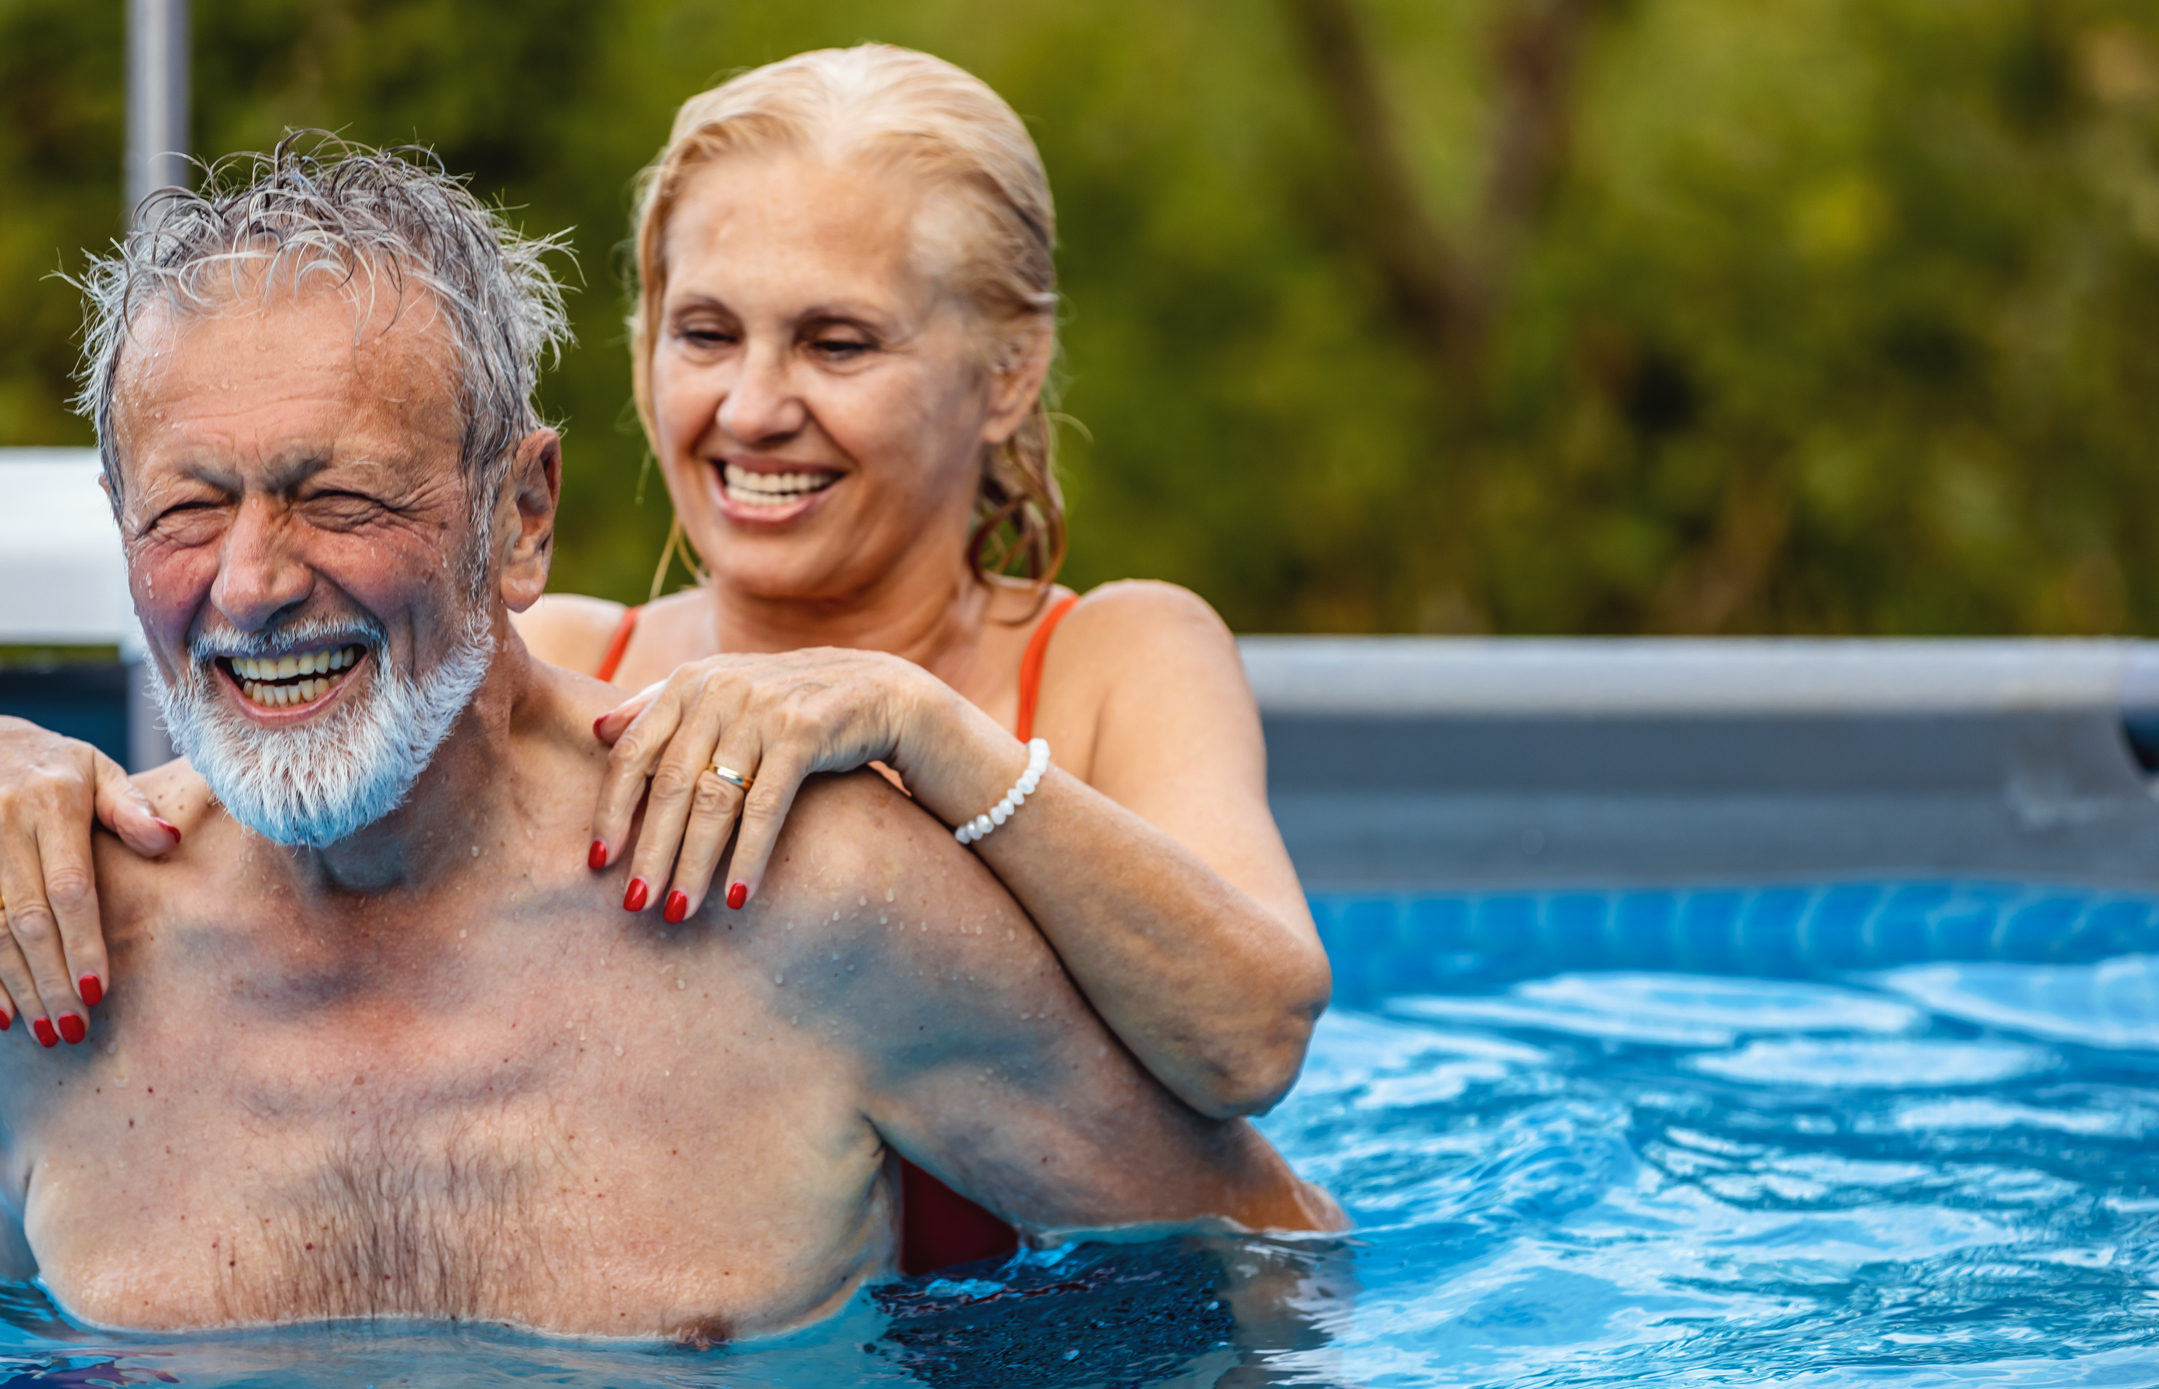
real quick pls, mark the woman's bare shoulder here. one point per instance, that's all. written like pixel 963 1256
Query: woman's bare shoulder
pixel 569 629
pixel 1131 614
pixel 1141 646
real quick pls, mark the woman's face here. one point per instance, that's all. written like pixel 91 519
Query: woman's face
pixel 819 399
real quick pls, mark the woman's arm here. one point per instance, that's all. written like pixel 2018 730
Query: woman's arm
pixel 1163 886
pixel 1157 872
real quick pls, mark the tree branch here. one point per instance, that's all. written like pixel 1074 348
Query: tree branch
pixel 1430 288
pixel 1443 296
pixel 1536 47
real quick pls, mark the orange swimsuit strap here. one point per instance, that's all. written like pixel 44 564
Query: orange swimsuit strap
pixel 1038 647
pixel 617 644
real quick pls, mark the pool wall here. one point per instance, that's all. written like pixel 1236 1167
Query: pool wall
pixel 1413 763
pixel 1421 763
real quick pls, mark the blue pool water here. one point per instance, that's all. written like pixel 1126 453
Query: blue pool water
pixel 1887 1134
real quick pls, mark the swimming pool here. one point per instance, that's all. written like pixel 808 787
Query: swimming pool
pixel 1898 1132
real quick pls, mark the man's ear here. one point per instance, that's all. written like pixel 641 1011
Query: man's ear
pixel 525 518
pixel 1016 385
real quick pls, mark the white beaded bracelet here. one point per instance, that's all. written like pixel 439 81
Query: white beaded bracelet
pixel 1038 762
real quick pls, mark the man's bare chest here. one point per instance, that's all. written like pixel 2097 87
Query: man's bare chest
pixel 551 1161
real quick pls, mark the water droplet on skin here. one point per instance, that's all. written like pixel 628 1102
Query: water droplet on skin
pixel 618 1051
pixel 860 902
pixel 682 983
pixel 888 894
pixel 779 978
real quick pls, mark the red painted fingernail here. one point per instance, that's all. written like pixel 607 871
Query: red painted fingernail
pixel 678 906
pixel 596 727
pixel 46 1037
pixel 737 894
pixel 635 897
pixel 92 992
pixel 168 826
pixel 6 1022
pixel 597 859
pixel 71 1028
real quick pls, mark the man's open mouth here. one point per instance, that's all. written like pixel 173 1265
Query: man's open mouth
pixel 748 488
pixel 297 677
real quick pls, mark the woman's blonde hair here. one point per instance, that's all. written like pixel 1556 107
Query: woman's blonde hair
pixel 944 124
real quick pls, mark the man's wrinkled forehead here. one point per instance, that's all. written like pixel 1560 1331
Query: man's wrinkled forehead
pixel 268 374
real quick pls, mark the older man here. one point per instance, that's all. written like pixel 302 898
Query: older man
pixel 379 1052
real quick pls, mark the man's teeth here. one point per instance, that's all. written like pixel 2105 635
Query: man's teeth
pixel 285 667
pixel 772 489
pixel 295 671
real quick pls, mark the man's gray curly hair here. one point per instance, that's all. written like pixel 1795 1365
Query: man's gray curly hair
pixel 363 217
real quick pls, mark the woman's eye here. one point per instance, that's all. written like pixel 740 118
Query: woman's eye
pixel 705 337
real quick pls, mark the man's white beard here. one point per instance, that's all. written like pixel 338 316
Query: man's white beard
pixel 330 778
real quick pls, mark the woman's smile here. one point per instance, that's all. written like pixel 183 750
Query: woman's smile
pixel 768 493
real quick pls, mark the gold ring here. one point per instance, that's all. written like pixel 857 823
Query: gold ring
pixel 730 776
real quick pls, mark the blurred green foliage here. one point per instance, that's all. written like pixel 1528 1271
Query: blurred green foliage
pixel 1817 316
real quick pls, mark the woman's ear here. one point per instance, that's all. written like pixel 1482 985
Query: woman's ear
pixel 1016 380
pixel 525 518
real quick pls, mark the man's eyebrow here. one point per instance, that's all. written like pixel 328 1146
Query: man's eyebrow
pixel 284 473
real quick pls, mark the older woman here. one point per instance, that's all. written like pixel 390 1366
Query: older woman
pixel 844 325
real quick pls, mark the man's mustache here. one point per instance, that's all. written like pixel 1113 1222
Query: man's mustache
pixel 287 638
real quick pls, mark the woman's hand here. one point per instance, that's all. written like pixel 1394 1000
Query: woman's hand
pixel 772 719
pixel 52 954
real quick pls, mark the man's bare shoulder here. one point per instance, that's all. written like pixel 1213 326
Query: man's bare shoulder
pixel 894 934
pixel 128 884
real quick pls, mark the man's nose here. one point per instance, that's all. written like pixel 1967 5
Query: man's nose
pixel 762 406
pixel 258 576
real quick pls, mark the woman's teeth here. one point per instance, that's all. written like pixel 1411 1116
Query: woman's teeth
pixel 296 678
pixel 772 489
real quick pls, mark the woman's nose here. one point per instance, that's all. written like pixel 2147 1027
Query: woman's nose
pixel 257 576
pixel 761 406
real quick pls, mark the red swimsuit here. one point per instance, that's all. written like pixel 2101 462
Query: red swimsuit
pixel 938 1226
